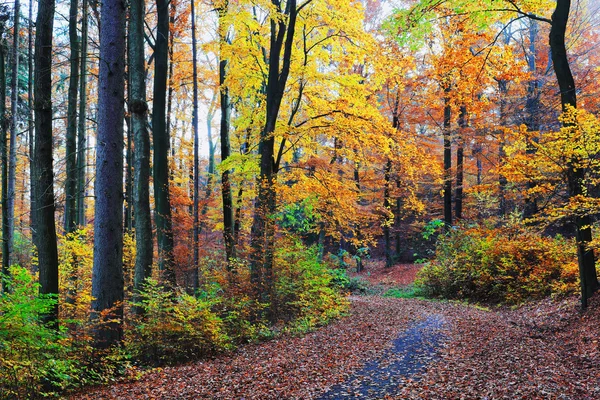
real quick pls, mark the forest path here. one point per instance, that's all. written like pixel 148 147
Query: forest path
pixel 300 367
pixel 544 350
pixel 410 353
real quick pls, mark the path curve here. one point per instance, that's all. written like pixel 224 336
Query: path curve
pixel 409 355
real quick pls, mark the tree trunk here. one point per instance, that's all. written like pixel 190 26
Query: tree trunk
pixel 71 137
pixel 30 127
pixel 162 198
pixel 447 159
pixel 4 156
pixel 141 137
pixel 387 206
pixel 532 111
pixel 458 202
pixel 107 274
pixel 397 221
pixel 575 174
pixel 228 220
pixel 502 181
pixel 170 88
pixel 12 151
pixel 195 211
pixel 356 248
pixel 43 178
pixel 81 131
pixel 237 220
pixel 262 232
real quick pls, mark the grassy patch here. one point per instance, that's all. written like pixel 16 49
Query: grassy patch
pixel 407 292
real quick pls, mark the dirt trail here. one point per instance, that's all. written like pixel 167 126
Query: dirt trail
pixel 411 352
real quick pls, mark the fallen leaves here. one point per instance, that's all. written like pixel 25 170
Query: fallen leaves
pixel 545 350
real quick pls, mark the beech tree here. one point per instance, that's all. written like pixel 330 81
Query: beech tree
pixel 576 173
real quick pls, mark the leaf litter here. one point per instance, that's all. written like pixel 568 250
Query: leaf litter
pixel 390 348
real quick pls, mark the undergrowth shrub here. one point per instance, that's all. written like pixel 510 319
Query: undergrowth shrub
pixel 175 326
pixel 305 290
pixel 75 260
pixel 344 283
pixel 502 265
pixel 34 358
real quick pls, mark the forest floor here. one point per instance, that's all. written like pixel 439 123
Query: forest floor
pixel 402 348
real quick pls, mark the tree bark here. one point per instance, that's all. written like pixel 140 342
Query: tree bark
pixel 196 210
pixel 81 131
pixel 228 219
pixel 162 198
pixel 12 151
pixel 43 178
pixel 532 111
pixel 107 274
pixel 502 181
pixel 458 201
pixel 139 111
pixel 262 232
pixel 447 159
pixel 30 124
pixel 4 156
pixel 71 137
pixel 575 174
pixel 387 208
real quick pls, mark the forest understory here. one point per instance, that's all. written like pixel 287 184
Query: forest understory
pixel 546 349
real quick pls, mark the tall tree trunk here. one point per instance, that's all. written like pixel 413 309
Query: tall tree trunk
pixel 107 274
pixel 576 174
pixel 139 111
pixel 397 221
pixel 262 232
pixel 128 212
pixel 387 206
pixel 71 137
pixel 12 151
pixel 458 201
pixel 237 220
pixel 170 88
pixel 356 246
pixel 162 198
pixel 228 220
pixel 195 211
pixel 447 159
pixel 43 178
pixel 502 181
pixel 532 111
pixel 30 127
pixel 81 131
pixel 4 156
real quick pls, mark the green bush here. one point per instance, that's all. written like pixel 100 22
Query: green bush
pixel 306 291
pixel 504 265
pixel 175 326
pixel 34 358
